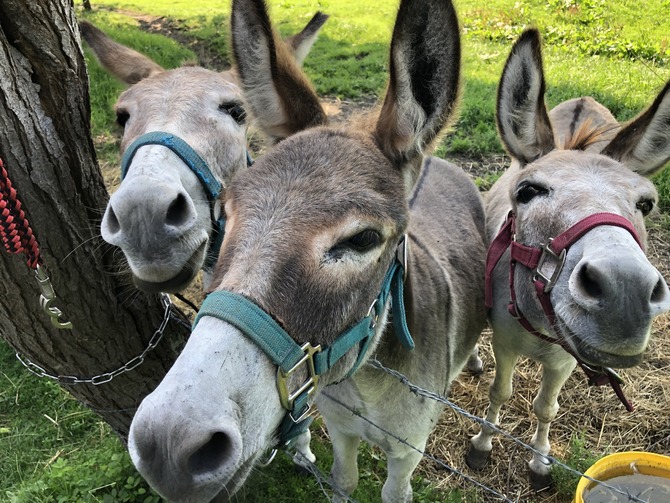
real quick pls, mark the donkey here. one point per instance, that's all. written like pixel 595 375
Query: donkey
pixel 571 207
pixel 314 258
pixel 184 139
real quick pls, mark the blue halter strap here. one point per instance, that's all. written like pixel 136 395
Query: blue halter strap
pixel 199 167
pixel 277 344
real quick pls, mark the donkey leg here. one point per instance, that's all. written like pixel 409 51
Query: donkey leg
pixel 545 406
pixel 345 462
pixel 500 391
pixel 398 485
pixel 304 455
pixel 474 364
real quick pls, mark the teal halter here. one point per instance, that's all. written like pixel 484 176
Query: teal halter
pixel 199 167
pixel 278 345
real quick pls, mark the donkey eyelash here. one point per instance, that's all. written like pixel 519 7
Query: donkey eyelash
pixel 360 243
pixel 646 206
pixel 235 110
pixel 122 117
pixel 528 191
pixel 364 240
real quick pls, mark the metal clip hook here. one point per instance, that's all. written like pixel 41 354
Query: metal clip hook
pixel 402 253
pixel 47 297
pixel 269 460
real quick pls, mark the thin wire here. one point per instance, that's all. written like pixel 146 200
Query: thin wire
pixel 321 478
pixel 423 453
pixel 186 301
pixel 483 422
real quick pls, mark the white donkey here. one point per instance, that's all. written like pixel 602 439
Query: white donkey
pixel 309 273
pixel 571 208
pixel 184 139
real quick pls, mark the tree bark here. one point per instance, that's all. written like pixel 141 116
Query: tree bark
pixel 46 146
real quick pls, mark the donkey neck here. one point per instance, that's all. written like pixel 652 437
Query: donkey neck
pixel 436 247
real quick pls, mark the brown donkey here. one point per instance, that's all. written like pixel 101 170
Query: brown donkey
pixel 571 208
pixel 309 273
pixel 184 139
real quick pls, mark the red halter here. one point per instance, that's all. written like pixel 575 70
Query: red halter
pixel 534 259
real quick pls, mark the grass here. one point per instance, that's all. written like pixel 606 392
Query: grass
pixel 54 450
pixel 615 52
pixel 580 459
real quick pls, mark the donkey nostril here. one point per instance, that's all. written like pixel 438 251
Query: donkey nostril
pixel 211 456
pixel 113 225
pixel 658 295
pixel 178 211
pixel 589 282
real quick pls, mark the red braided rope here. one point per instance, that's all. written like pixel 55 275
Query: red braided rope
pixel 15 231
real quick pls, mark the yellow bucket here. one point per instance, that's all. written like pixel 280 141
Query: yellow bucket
pixel 622 463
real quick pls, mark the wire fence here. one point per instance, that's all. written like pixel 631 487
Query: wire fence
pixel 326 484
pixel 324 481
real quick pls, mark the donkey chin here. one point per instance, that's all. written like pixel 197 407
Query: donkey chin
pixel 169 277
pixel 200 489
pixel 597 345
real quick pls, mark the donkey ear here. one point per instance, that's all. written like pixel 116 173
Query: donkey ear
pixel 278 93
pixel 644 143
pixel 125 64
pixel 424 79
pixel 523 122
pixel 302 42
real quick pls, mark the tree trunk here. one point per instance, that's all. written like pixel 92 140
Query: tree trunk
pixel 87 5
pixel 46 146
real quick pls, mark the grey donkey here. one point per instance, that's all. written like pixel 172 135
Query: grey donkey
pixel 313 229
pixel 578 192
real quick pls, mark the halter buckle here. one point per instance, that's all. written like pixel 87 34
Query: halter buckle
pixel 549 281
pixel 601 375
pixel 309 411
pixel 287 397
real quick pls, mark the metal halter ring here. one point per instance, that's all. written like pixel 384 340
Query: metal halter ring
pixel 373 324
pixel 549 281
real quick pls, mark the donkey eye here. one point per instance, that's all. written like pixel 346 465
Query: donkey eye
pixel 527 191
pixel 235 110
pixel 364 240
pixel 359 243
pixel 645 206
pixel 122 117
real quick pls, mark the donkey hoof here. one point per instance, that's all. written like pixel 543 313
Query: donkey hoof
pixel 477 459
pixel 476 371
pixel 540 481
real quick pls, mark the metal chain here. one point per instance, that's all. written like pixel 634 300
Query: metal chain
pixel 483 422
pixel 107 376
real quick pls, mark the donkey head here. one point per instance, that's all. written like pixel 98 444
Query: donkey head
pixel 311 231
pixel 165 215
pixel 607 293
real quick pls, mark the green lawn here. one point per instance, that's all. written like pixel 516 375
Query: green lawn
pixel 613 51
pixel 619 52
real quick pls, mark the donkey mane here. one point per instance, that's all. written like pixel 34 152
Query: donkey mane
pixel 586 135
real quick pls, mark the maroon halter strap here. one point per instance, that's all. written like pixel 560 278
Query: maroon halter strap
pixel 534 259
